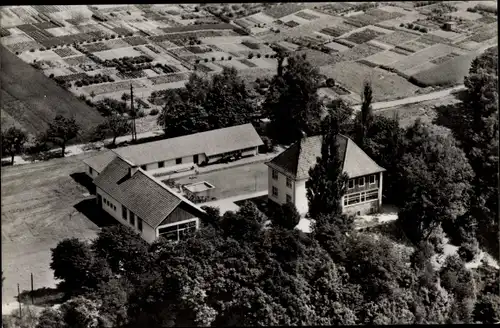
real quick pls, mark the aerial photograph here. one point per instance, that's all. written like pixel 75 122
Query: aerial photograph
pixel 249 164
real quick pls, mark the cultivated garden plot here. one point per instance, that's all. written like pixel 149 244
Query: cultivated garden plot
pixel 384 58
pixel 397 38
pixel 358 52
pixel 423 56
pixel 337 47
pixel 118 53
pixel 112 87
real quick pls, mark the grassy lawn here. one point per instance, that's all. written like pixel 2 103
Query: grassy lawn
pixel 32 100
pixel 233 181
pixel 42 203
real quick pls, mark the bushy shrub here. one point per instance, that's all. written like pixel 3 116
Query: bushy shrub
pixel 410 25
pixel 213 58
pixel 230 57
pixel 258 55
pixel 402 25
pixel 268 146
pixel 250 55
pixel 141 114
pixel 423 30
pixel 416 27
pixel 51 75
pixel 153 112
pixel 468 251
pixel 32 50
pixel 437 240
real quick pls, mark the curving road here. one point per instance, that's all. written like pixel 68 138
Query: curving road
pixel 414 99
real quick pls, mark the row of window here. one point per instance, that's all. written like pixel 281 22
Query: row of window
pixel 276 177
pixel 131 218
pixel 109 204
pixel 178 231
pixel 275 194
pixel 361 181
pixel 177 161
pixel 360 197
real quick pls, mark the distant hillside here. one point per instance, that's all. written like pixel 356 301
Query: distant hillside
pixel 30 100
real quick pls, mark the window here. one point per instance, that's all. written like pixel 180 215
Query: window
pixel 361 181
pixel 351 184
pixel 161 164
pixel 143 167
pixel 360 197
pixel 124 213
pixel 289 182
pixel 178 161
pixel 169 233
pixel 371 195
pixel 178 231
pixel 288 198
pixel 90 170
pixel 372 179
pixel 275 191
pixel 139 224
pixel 352 199
pixel 132 219
pixel 275 175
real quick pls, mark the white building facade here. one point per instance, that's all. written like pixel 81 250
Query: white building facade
pixel 289 171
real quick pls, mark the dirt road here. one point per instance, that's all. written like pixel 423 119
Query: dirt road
pixel 414 99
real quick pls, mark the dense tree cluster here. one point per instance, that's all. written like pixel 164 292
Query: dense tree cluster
pixel 236 270
pixel 292 101
pixel 206 104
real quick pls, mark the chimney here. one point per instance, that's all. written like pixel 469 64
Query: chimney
pixel 132 170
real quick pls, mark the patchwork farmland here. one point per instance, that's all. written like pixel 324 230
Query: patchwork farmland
pixel 98 52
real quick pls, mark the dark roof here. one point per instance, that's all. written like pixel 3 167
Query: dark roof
pixel 301 156
pixel 145 196
pixel 100 161
pixel 211 142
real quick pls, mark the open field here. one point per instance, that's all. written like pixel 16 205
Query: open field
pixel 33 100
pixel 35 219
pixel 352 75
pixel 450 72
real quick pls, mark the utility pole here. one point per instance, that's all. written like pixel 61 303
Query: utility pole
pixel 19 301
pixel 132 111
pixel 32 296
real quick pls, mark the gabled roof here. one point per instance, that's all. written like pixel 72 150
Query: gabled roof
pixel 301 156
pixel 141 193
pixel 99 162
pixel 210 143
